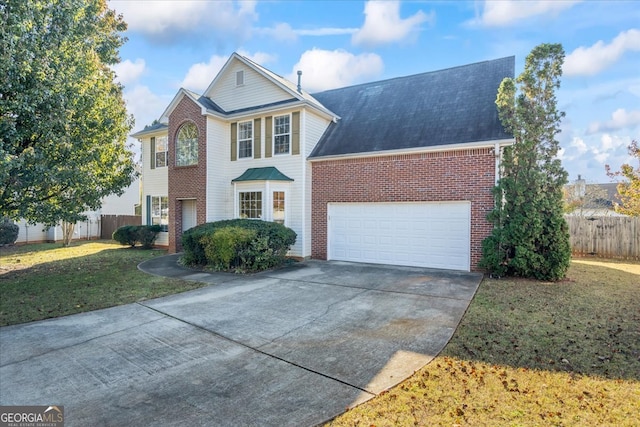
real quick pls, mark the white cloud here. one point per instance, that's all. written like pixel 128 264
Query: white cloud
pixel 383 24
pixel 280 32
pixel 128 72
pixel 200 75
pixel 325 69
pixel 579 145
pixel 620 119
pixel 285 33
pixel 165 20
pixel 591 60
pixel 326 31
pixel 508 12
pixel 145 105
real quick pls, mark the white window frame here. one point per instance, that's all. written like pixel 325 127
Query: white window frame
pixel 159 214
pixel 248 140
pixel 157 141
pixel 275 135
pixel 272 202
pixel 190 156
pixel 267 189
pixel 247 191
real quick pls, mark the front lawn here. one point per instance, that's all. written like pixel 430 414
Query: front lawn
pixel 529 354
pixel 38 281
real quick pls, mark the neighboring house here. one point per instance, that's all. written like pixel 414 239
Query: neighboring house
pixel 84 230
pixel 592 200
pixel 398 171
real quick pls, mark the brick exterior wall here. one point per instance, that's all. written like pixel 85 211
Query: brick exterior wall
pixel 439 176
pixel 186 182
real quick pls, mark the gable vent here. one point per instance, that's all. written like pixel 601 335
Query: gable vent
pixel 239 78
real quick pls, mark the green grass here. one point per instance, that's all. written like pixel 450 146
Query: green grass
pixel 530 353
pixel 40 281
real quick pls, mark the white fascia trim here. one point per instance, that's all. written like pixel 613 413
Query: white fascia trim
pixel 144 133
pixel 275 110
pixel 418 150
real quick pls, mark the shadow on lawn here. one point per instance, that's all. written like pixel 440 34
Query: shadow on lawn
pixel 77 283
pixel 588 324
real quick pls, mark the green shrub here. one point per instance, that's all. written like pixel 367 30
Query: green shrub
pixel 8 232
pixel 131 234
pixel 147 235
pixel 126 235
pixel 267 249
pixel 224 246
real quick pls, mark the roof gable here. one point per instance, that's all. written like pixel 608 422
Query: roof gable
pixel 451 106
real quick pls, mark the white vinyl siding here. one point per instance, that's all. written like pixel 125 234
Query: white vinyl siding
pixel 154 182
pixel 256 90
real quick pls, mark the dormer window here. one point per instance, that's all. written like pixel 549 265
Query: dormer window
pixel 240 78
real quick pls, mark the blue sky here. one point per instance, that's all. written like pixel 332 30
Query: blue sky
pixel 175 44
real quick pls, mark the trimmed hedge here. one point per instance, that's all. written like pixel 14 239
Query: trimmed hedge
pixel 8 232
pixel 238 244
pixel 131 234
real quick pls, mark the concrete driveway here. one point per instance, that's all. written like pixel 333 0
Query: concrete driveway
pixel 296 346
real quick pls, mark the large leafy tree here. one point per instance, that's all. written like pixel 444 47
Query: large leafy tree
pixel 629 189
pixel 63 120
pixel 530 236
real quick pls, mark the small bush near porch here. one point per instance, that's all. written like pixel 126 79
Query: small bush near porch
pixel 240 245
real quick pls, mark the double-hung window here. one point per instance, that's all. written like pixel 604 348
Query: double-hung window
pixel 187 145
pixel 251 204
pixel 245 139
pixel 160 211
pixel 281 134
pixel 160 150
pixel 278 207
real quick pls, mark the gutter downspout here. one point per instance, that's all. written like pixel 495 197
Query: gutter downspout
pixel 498 154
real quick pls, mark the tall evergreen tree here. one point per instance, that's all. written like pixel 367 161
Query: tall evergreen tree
pixel 63 120
pixel 530 236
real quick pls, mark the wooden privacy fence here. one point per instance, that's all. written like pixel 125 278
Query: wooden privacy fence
pixel 111 223
pixel 605 236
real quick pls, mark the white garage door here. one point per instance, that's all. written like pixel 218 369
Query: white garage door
pixel 426 234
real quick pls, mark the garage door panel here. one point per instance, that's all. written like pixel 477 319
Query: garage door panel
pixel 416 234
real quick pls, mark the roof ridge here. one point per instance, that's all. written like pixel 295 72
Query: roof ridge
pixel 390 79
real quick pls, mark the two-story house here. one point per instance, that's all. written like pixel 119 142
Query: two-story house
pixel 398 171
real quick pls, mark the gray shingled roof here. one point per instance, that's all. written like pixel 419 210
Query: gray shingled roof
pixel 149 129
pixel 451 106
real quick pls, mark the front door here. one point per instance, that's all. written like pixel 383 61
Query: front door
pixel 188 214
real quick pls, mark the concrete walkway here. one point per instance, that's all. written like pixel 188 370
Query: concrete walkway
pixel 291 347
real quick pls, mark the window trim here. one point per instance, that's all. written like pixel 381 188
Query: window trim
pixel 267 189
pixel 284 192
pixel 248 140
pixel 150 211
pixel 239 201
pixel 155 141
pixel 275 135
pixel 193 142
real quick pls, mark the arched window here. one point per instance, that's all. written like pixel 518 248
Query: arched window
pixel 187 145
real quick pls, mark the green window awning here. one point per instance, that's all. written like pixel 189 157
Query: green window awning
pixel 262 174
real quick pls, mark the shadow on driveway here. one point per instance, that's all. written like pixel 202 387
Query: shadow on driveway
pixel 295 346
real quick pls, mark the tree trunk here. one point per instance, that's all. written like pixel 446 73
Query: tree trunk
pixel 67 233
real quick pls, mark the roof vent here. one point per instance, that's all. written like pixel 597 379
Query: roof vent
pixel 299 79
